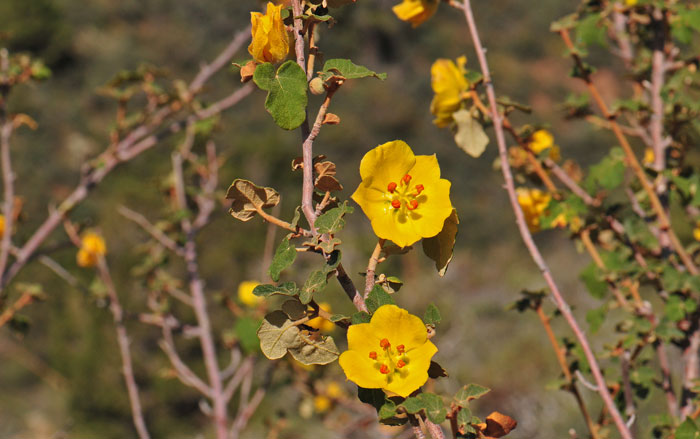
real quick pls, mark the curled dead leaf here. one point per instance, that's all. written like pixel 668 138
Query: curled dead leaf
pixel 248 198
pixel 247 71
pixel 497 425
pixel 331 119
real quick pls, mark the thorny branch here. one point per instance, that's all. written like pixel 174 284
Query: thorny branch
pixel 562 305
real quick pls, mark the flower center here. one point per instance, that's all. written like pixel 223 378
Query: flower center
pixel 404 196
pixel 389 361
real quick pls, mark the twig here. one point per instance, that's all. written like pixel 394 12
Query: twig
pixel 139 140
pixel 590 247
pixel 690 373
pixel 434 430
pixel 666 383
pixel 8 182
pixel 199 305
pixel 151 229
pixel 587 384
pixel 184 373
pixel 372 266
pixel 123 341
pixel 657 206
pixel 25 299
pixel 630 410
pixel 525 233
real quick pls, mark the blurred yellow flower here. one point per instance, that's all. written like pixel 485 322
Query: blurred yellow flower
pixel 321 403
pixel 402 194
pixel 320 323
pixel 415 11
pixel 449 83
pixel 534 203
pixel 649 157
pixel 696 231
pixel 333 390
pixel 543 139
pixel 630 2
pixel 92 247
pixel 2 225
pixel 245 293
pixel 391 352
pixel 270 39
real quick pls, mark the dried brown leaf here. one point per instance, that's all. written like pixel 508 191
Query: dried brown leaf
pixel 248 198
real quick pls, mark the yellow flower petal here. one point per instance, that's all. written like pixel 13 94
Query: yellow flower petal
pixel 415 11
pixel 320 323
pixel 92 247
pixel 415 373
pixel 448 82
pixel 403 194
pixel 270 41
pixel 392 352
pixel 534 203
pixel 245 293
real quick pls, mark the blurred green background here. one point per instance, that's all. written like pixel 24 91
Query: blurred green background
pixel 62 378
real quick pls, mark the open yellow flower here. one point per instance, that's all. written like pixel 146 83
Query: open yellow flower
pixel 92 247
pixel 415 11
pixel 449 83
pixel 245 293
pixel 319 322
pixel 2 225
pixel 534 203
pixel 402 194
pixel 270 40
pixel 391 352
pixel 543 139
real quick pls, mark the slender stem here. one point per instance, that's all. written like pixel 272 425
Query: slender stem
pixel 8 182
pixel 561 303
pixel 666 383
pixel 184 373
pixel 199 306
pixel 24 300
pixel 152 230
pixel 630 410
pixel 372 266
pixel 561 359
pixel 691 367
pixel 657 206
pixel 590 247
pixel 123 341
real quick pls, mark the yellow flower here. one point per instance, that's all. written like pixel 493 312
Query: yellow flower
pixel 320 323
pixel 696 231
pixel 321 403
pixel 630 2
pixel 92 247
pixel 245 293
pixel 270 40
pixel 391 352
pixel 402 194
pixel 648 157
pixel 534 202
pixel 449 83
pixel 333 390
pixel 415 11
pixel 543 139
pixel 2 225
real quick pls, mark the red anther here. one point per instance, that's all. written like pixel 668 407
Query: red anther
pixel 395 204
pixel 384 369
pixel 392 187
pixel 400 364
pixel 412 205
pixel 419 188
pixel 401 348
pixel 384 343
pixel 406 178
pixel 373 355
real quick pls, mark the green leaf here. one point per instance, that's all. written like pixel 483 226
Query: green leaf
pixel 294 309
pixel 432 315
pixel 316 282
pixel 347 69
pixel 469 135
pixel 314 351
pixel 596 287
pixel 440 247
pixel 378 297
pixel 248 198
pixel 287 99
pixel 596 317
pixel 360 317
pixel 246 329
pixel 430 403
pixel 332 221
pixel 277 333
pixel 687 430
pixel 464 416
pixel 470 392
pixel 387 410
pixel 609 173
pixel 674 309
pixel 566 22
pixel 285 255
pixel 589 31
pixel 284 289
